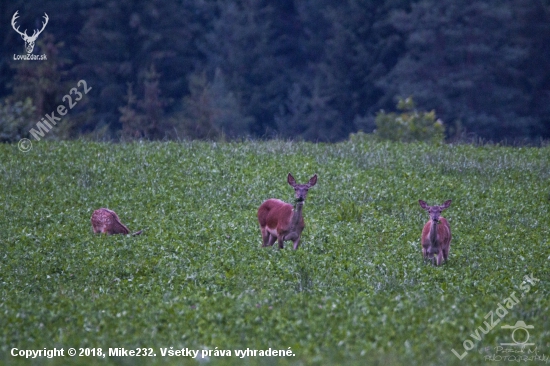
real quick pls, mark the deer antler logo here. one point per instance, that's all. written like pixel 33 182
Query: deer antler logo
pixel 29 41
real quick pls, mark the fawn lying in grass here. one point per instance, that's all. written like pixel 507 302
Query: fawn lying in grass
pixel 107 222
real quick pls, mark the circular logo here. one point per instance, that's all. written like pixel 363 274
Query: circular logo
pixel 24 145
pixel 523 338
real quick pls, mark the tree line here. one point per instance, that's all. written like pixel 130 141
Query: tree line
pixel 316 70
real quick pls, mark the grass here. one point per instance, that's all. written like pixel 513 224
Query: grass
pixel 356 291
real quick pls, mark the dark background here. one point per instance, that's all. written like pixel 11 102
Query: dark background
pixel 311 69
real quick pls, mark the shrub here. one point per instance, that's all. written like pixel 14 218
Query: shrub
pixel 410 125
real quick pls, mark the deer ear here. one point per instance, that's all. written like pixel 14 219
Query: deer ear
pixel 290 179
pixel 312 181
pixel 423 204
pixel 445 204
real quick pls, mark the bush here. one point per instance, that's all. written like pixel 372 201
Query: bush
pixel 410 125
pixel 17 119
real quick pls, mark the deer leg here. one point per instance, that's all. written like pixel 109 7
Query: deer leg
pixel 296 243
pixel 439 258
pixel 280 240
pixel 271 240
pixel 265 236
pixel 445 254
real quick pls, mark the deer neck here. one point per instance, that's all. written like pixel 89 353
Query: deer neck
pixel 433 232
pixel 297 213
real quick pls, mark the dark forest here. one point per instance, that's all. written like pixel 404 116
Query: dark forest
pixel 312 70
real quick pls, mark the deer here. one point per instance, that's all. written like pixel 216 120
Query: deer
pixel 29 41
pixel 436 234
pixel 106 221
pixel 280 220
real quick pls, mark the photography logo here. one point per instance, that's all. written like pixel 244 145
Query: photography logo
pixel 523 334
pixel 29 40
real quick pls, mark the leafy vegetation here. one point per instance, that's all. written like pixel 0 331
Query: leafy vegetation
pixel 356 292
pixel 410 125
pixel 15 117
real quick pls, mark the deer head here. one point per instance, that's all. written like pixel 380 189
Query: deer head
pixel 300 190
pixel 29 41
pixel 434 211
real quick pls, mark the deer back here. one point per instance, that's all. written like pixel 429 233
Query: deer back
pixel 107 221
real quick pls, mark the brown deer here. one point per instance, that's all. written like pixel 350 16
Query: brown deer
pixel 436 235
pixel 107 222
pixel 279 220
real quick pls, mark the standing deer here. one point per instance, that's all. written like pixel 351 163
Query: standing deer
pixel 107 222
pixel 29 41
pixel 278 220
pixel 436 235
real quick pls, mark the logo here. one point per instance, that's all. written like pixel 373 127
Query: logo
pixel 517 351
pixel 29 40
pixel 501 311
pixel 520 325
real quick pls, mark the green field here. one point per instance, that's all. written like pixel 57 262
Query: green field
pixel 356 292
